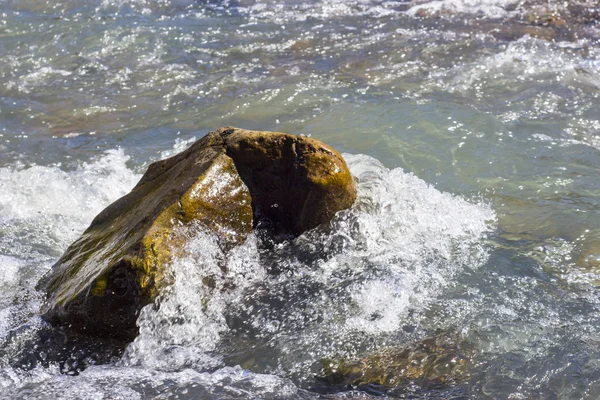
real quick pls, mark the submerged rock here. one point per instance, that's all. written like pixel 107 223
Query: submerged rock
pixel 441 360
pixel 229 182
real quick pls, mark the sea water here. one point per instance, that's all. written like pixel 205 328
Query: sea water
pixel 473 131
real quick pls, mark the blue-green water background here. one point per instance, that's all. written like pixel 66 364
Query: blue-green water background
pixel 495 101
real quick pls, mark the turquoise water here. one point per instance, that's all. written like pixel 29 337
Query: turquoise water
pixel 473 128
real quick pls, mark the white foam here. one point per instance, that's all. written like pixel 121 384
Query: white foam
pixel 144 6
pixel 51 190
pixel 322 10
pixel 381 306
pixel 488 8
pixel 191 316
pixel 52 206
pixel 393 254
pixel 179 146
pixel 408 241
pixel 36 78
pixel 106 382
pixel 10 267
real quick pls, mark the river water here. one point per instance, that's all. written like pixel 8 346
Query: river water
pixel 472 127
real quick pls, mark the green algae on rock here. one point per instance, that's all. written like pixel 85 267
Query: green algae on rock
pixel 228 182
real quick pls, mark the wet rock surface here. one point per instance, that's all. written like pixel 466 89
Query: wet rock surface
pixel 439 361
pixel 229 182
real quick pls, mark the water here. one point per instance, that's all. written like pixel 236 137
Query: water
pixel 472 126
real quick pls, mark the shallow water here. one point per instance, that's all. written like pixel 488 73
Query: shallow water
pixel 472 127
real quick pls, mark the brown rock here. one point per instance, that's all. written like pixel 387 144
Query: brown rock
pixel 545 17
pixel 228 182
pixel 296 183
pixel 515 31
pixel 302 45
pixel 434 361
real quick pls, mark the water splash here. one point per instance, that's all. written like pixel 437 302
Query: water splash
pixel 135 383
pixel 283 308
pixel 41 218
pixel 186 322
pixel 488 8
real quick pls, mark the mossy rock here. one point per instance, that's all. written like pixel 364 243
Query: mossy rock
pixel 229 182
pixel 437 361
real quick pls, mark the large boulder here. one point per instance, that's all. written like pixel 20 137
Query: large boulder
pixel 230 182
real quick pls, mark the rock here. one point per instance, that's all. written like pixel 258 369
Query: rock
pixel 516 31
pixel 435 361
pixel 229 182
pixel 296 183
pixel 424 13
pixel 302 45
pixel 542 16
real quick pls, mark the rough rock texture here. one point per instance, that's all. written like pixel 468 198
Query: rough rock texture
pixel 230 182
pixel 437 361
pixel 296 183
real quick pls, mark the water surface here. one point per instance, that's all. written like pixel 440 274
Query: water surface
pixel 473 128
